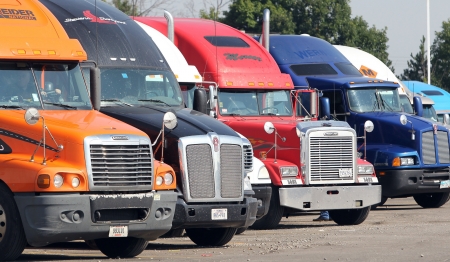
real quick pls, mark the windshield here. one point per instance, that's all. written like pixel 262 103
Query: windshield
pixel 188 89
pixel 139 87
pixel 430 113
pixel 254 102
pixel 406 105
pixel 370 100
pixel 51 86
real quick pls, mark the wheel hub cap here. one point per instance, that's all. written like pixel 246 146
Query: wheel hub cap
pixel 2 223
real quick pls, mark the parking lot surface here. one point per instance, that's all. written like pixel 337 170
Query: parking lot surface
pixel 399 231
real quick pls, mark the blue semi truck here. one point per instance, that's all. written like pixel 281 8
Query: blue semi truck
pixel 410 153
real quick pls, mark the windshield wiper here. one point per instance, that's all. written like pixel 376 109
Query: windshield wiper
pixel 11 106
pixel 386 105
pixel 154 100
pixel 119 102
pixel 61 105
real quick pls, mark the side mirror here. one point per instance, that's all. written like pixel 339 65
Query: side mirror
pixel 403 119
pixel 314 102
pixel 446 119
pixel 170 120
pixel 418 107
pixel 368 126
pixel 200 100
pixel 95 87
pixel 212 98
pixel 269 127
pixel 325 108
pixel 32 116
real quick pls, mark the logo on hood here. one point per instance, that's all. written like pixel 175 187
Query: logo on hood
pixel 435 128
pixel 215 141
pixel 94 19
pixel 330 133
pixel 119 138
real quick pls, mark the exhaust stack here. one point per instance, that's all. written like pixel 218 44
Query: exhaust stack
pixel 170 26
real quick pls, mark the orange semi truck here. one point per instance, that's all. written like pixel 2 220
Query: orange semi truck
pixel 68 172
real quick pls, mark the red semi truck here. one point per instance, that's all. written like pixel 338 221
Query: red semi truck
pixel 313 165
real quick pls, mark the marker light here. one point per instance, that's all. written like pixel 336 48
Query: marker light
pixel 43 181
pixel 58 180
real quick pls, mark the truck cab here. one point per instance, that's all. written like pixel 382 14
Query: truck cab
pixel 69 172
pixel 410 153
pixel 249 93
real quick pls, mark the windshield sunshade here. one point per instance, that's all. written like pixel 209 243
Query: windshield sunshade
pixel 313 69
pixel 226 41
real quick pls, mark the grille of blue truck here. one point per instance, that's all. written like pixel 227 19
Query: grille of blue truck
pixel 119 164
pixel 429 149
pixel 331 157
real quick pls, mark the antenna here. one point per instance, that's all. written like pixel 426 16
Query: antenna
pixel 96 33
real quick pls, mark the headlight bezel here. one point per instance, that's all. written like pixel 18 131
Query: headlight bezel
pixel 288 171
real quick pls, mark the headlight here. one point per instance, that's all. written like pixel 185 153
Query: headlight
pixel 159 180
pixel 263 173
pixel 58 180
pixel 406 161
pixel 403 161
pixel 75 182
pixel 365 170
pixel 168 178
pixel 289 171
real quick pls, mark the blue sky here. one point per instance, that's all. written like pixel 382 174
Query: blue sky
pixel 406 22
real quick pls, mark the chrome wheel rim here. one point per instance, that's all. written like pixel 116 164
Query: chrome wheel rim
pixel 2 223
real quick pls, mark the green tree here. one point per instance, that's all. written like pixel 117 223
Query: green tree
pixel 327 19
pixel 417 65
pixel 440 59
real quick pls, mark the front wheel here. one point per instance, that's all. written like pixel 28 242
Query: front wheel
pixel 431 200
pixel 211 236
pixel 350 216
pixel 274 215
pixel 241 230
pixel 12 235
pixel 123 247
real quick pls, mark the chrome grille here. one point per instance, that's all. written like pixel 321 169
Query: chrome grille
pixel 200 170
pixel 121 165
pixel 428 149
pixel 248 157
pixel 328 155
pixel 443 147
pixel 231 170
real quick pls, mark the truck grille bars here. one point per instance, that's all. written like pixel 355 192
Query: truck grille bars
pixel 212 168
pixel 331 159
pixel 119 164
pixel 429 148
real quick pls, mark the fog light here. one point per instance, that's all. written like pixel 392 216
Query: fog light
pixel 75 182
pixel 58 180
pixel 168 178
pixel 159 181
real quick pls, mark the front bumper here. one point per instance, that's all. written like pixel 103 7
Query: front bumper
pixel 50 218
pixel 408 182
pixel 199 215
pixel 330 197
pixel 262 194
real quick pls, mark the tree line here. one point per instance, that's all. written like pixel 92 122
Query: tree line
pixel 327 19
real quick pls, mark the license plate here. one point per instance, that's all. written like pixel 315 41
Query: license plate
pixel 445 184
pixel 219 214
pixel 118 231
pixel 345 172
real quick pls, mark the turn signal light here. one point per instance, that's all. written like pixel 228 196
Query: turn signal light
pixel 43 181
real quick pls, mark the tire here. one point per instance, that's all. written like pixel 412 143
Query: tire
pixel 211 236
pixel 349 216
pixel 241 230
pixel 274 215
pixel 12 235
pixel 122 247
pixel 383 200
pixel 432 200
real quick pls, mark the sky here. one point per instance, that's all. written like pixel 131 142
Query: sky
pixel 406 22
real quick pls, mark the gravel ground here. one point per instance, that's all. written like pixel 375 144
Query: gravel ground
pixel 398 231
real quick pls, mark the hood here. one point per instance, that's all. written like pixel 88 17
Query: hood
pixel 97 24
pixel 150 119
